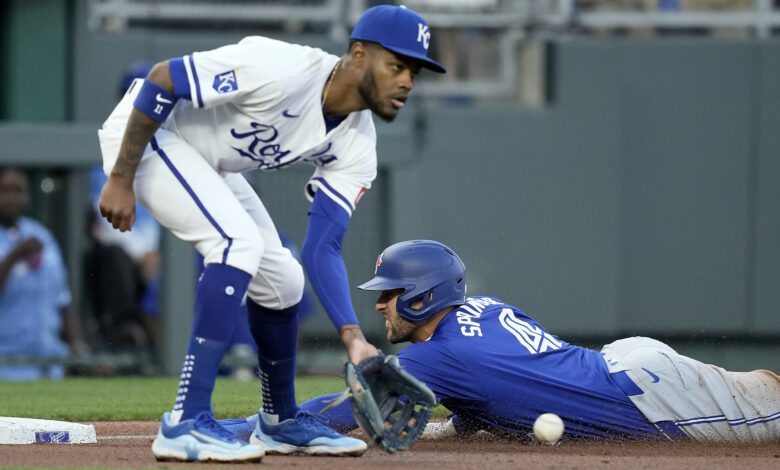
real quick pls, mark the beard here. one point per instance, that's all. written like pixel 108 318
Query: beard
pixel 369 93
pixel 400 330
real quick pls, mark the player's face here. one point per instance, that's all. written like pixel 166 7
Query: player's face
pixel 14 196
pixel 386 84
pixel 399 329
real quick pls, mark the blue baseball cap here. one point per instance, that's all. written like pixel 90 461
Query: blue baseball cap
pixel 397 29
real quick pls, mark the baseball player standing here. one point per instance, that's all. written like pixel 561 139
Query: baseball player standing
pixel 178 141
pixel 496 368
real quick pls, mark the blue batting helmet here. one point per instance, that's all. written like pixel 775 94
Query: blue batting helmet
pixel 426 270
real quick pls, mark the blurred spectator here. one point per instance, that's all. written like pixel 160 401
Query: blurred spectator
pixel 36 320
pixel 123 267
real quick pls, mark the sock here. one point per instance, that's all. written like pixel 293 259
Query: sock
pixel 218 298
pixel 198 374
pixel 276 335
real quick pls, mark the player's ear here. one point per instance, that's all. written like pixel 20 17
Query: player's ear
pixel 359 54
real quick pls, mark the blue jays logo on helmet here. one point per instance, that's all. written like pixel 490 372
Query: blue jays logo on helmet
pixel 426 270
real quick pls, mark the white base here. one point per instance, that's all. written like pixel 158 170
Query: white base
pixel 29 431
pixel 437 430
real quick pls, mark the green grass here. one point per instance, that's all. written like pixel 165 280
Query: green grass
pixel 136 398
pixel 139 398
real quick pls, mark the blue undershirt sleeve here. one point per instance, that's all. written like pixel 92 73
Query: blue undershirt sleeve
pixel 321 256
pixel 341 417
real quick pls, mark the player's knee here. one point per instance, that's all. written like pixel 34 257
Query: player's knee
pixel 280 289
pixel 291 290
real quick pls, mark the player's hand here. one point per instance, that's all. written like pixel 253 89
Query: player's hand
pixel 358 348
pixel 361 350
pixel 117 203
pixel 27 248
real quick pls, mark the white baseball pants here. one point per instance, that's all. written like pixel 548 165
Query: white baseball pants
pixel 220 215
pixel 706 402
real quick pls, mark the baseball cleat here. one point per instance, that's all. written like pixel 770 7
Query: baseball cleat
pixel 306 433
pixel 201 439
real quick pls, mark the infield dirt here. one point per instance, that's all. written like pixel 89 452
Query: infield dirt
pixel 128 445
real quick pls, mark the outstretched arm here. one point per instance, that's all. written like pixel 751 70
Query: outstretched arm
pixel 341 419
pixel 322 259
pixel 340 416
pixel 152 106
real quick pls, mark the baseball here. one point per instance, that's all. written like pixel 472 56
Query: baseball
pixel 548 428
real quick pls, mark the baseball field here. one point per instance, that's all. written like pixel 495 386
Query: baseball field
pixel 125 411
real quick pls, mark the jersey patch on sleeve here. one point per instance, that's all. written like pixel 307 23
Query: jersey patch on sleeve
pixel 225 82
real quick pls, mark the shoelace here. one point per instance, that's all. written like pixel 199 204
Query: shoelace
pixel 205 419
pixel 318 421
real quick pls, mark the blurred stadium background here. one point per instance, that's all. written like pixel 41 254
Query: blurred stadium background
pixel 611 167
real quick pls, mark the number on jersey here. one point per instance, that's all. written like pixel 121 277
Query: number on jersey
pixel 533 338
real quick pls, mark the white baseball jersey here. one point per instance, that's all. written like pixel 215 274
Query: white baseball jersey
pixel 257 105
pixel 277 87
pixel 251 105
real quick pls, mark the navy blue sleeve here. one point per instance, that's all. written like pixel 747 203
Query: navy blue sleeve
pixel 321 256
pixel 341 417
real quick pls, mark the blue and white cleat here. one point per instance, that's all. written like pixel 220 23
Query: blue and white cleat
pixel 306 433
pixel 201 439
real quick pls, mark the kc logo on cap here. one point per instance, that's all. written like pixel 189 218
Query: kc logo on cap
pixel 423 35
pixel 400 30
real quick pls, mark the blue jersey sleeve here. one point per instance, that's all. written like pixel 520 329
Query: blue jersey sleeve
pixel 438 368
pixel 321 256
pixel 442 370
pixel 340 416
